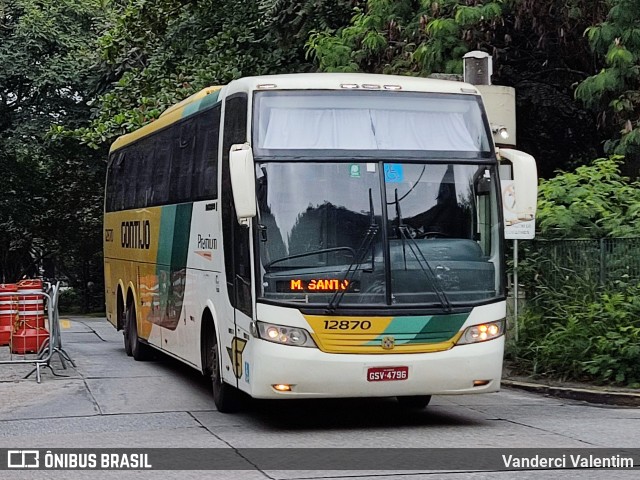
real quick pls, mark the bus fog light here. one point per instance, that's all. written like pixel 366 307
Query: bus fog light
pixel 282 387
pixel 482 332
pixel 295 336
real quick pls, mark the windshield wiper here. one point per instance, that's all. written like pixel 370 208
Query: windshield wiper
pixel 357 259
pixel 308 254
pixel 417 253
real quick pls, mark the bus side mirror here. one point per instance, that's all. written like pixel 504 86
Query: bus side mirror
pixel 243 181
pixel 525 182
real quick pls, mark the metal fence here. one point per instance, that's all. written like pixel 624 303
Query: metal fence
pixel 598 262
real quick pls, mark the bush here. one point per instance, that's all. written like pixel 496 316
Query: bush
pixel 582 319
pixel 69 301
pixel 566 334
pixel 616 356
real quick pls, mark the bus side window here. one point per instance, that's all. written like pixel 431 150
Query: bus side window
pixel 181 164
pixel 204 180
pixel 162 172
pixel 120 173
pixel 129 180
pixel 112 179
pixel 144 184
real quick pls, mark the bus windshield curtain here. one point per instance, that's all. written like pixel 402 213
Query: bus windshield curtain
pixel 366 129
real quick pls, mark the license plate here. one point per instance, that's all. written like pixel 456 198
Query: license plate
pixel 387 374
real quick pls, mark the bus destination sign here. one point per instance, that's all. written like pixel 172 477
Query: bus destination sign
pixel 316 285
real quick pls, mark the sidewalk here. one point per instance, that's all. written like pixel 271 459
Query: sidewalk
pixel 573 390
pixel 58 368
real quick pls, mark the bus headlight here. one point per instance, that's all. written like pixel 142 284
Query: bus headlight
pixel 482 332
pixel 295 336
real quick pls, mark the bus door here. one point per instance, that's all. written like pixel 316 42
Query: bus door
pixel 237 247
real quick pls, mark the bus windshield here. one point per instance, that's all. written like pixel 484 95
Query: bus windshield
pixel 368 123
pixel 378 233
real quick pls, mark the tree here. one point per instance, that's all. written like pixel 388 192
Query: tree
pixel 405 37
pixel 594 201
pixel 157 53
pixel 537 46
pixel 615 90
pixel 46 53
pixel 291 22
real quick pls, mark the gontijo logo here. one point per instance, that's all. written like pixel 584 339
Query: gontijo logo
pixel 136 234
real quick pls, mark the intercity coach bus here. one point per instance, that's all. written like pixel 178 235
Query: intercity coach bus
pixel 315 236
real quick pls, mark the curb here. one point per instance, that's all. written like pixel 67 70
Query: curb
pixel 586 395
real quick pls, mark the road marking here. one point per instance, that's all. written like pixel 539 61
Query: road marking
pixel 64 323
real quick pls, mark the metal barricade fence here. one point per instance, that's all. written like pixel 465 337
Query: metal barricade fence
pixel 30 321
pixel 591 262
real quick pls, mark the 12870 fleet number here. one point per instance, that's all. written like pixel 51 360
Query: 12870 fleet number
pixel 347 324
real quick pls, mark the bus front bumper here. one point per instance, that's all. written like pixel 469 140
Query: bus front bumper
pixel 311 373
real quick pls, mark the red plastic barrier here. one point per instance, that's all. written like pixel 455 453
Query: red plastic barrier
pixel 30 333
pixel 8 312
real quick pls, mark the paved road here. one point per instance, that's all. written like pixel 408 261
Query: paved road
pixel 111 401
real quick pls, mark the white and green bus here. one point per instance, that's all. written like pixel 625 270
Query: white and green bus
pixel 315 236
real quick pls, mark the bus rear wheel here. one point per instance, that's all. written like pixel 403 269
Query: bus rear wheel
pixel 139 351
pixel 414 402
pixel 226 397
pixel 122 320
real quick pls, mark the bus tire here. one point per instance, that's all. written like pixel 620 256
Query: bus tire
pixel 139 351
pixel 122 323
pixel 226 397
pixel 414 402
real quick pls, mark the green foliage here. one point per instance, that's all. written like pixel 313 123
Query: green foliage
pixel 50 191
pixel 290 23
pixel 406 37
pixel 595 201
pixel 336 56
pixel 155 54
pixel 616 356
pixel 582 316
pixel 616 87
pixel 572 333
pixel 537 47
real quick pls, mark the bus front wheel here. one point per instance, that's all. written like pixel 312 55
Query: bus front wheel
pixel 414 402
pixel 226 397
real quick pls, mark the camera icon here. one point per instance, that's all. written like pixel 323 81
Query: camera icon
pixel 23 459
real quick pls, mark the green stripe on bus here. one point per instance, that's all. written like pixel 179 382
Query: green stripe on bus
pixel 173 244
pixel 201 104
pixel 441 328
pixel 171 268
pixel 165 236
pixel 422 329
pixel 182 225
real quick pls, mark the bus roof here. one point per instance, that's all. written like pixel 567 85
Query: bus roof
pixel 296 81
pixel 341 81
pixel 190 105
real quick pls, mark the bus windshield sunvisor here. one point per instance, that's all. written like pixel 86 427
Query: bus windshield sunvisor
pixel 357 121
